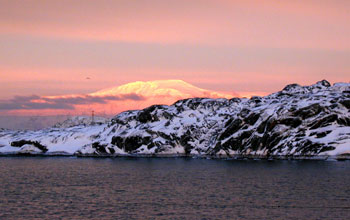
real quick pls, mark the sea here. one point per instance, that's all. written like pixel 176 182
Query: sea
pixel 172 188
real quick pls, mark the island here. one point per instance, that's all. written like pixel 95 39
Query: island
pixel 298 122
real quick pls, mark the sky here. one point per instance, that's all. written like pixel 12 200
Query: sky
pixel 63 47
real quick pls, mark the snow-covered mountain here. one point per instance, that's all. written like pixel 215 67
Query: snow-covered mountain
pixel 151 92
pixel 297 122
pixel 178 89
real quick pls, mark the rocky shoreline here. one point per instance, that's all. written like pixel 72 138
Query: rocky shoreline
pixel 343 157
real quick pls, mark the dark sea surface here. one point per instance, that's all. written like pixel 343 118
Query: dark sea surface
pixel 172 188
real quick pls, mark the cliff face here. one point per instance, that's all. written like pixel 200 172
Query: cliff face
pixel 299 121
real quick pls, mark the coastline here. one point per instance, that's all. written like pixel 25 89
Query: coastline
pixel 341 157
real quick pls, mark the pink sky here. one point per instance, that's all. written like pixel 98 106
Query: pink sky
pixel 243 46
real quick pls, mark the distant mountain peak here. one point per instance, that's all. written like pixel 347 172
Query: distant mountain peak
pixel 172 87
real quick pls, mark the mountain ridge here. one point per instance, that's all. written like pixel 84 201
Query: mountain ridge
pixel 296 122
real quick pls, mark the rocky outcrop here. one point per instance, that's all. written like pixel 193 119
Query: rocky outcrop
pixel 36 144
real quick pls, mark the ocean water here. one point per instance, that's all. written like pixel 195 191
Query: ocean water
pixel 172 188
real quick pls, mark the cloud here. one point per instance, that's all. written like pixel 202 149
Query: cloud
pixel 35 102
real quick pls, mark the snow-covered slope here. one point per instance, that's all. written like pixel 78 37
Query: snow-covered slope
pixel 297 122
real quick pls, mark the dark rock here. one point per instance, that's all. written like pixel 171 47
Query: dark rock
pixel 324 121
pixel 235 100
pixel 217 147
pixel 194 103
pixel 346 103
pixel 146 115
pixel 333 106
pixel 167 115
pixel 246 134
pixel 291 87
pixel 261 128
pixel 165 136
pixel 326 148
pixel 133 142
pixel 292 122
pixel 99 148
pixel 150 145
pixel 117 121
pixel 234 144
pixel 231 129
pixel 272 140
pixel 228 122
pixel 184 141
pixel 111 150
pixel 324 83
pixel 308 111
pixel 346 93
pixel 256 99
pixel 167 124
pixel 244 112
pixel 252 118
pixel 255 143
pixel 301 133
pixel 130 143
pixel 245 126
pixel 344 121
pixel 320 134
pixel 308 147
pixel 24 142
pixel 118 141
pixel 271 123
